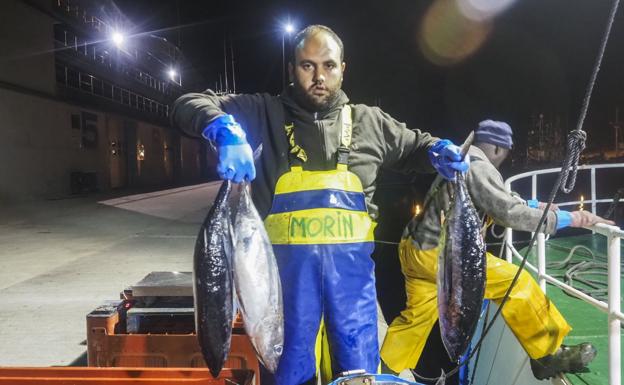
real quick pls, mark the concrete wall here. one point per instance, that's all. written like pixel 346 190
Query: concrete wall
pixel 26 38
pixel 39 149
pixel 190 159
pixel 157 165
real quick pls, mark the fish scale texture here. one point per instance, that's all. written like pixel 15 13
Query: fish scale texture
pixel 461 273
pixel 212 283
pixel 257 283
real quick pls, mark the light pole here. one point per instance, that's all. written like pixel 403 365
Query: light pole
pixel 172 72
pixel 288 29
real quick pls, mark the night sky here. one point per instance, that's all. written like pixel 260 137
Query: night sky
pixel 537 58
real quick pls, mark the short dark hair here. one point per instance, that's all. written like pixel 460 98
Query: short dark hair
pixel 313 30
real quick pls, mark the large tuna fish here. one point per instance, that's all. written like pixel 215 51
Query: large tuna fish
pixel 461 271
pixel 257 283
pixel 212 282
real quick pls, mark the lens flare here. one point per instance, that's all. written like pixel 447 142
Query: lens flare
pixel 481 10
pixel 447 36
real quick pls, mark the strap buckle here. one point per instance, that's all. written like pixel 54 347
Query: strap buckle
pixel 343 155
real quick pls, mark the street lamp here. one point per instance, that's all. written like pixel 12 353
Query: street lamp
pixel 287 30
pixel 172 74
pixel 118 39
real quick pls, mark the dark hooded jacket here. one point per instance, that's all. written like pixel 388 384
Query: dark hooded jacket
pixel 378 140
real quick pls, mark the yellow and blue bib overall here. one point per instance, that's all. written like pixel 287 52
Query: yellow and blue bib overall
pixel 322 237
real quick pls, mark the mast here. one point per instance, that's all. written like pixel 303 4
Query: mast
pixel 225 64
pixel 616 127
pixel 232 60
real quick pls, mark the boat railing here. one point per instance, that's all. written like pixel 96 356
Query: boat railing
pixel 613 234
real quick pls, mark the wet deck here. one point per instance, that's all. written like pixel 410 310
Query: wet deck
pixel 61 259
pixel 589 324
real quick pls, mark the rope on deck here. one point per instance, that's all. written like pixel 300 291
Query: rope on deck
pixel 585 271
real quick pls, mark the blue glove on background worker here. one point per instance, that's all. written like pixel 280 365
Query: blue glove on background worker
pixel 579 218
pixel 564 218
pixel 236 157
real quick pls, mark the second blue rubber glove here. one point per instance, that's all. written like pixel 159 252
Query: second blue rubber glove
pixel 446 159
pixel 564 219
pixel 235 155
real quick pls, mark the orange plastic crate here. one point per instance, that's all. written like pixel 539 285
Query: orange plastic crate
pixel 106 348
pixel 121 376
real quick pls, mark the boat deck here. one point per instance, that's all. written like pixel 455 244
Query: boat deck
pixel 589 324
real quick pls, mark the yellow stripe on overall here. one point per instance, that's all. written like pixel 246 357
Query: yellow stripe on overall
pixel 320 207
pixel 311 214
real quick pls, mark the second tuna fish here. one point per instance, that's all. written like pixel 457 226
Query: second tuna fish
pixel 257 283
pixel 461 271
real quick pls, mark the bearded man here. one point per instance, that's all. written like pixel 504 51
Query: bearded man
pixel 314 185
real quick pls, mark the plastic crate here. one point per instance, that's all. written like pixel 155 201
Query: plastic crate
pixel 121 376
pixel 109 346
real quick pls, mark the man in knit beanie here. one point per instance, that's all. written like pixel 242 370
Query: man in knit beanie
pixel 532 317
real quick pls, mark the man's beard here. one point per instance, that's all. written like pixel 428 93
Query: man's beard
pixel 303 98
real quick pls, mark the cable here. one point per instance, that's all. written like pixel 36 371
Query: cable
pixel 612 210
pixel 576 144
pixel 386 242
pixel 474 368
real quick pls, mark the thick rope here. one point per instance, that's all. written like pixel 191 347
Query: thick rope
pixel 577 137
pixel 576 144
pixel 594 75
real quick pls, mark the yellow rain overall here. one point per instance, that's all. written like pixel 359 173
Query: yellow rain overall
pixel 322 236
pixel 531 316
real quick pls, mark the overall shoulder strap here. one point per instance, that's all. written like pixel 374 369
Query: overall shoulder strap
pixel 346 132
pixel 296 154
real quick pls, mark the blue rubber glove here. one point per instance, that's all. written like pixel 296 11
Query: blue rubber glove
pixel 564 219
pixel 533 203
pixel 235 155
pixel 446 159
